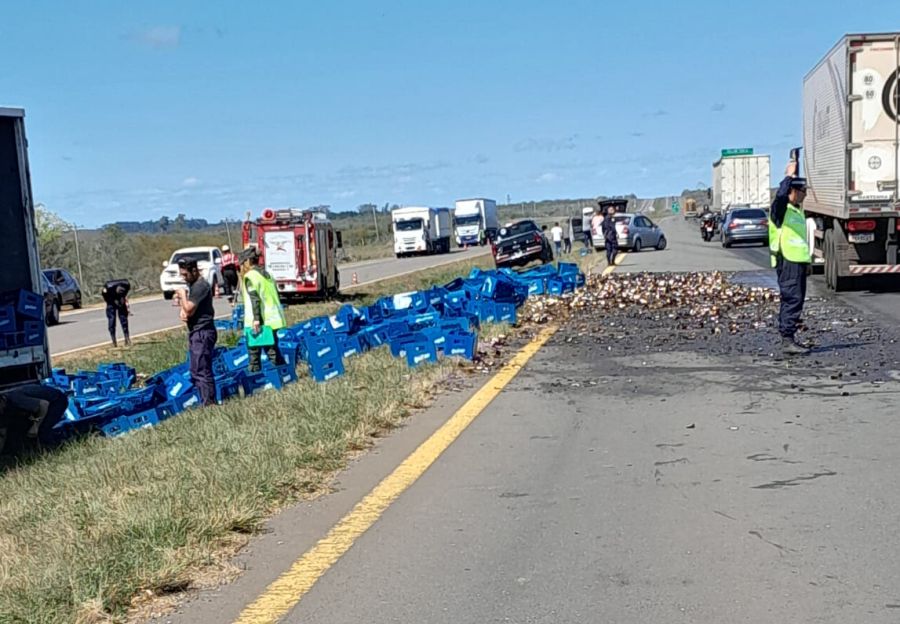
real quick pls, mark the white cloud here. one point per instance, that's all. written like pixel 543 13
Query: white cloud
pixel 159 37
pixel 547 177
pixel 345 194
pixel 190 181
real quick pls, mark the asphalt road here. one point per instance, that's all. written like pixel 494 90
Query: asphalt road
pixel 83 328
pixel 604 485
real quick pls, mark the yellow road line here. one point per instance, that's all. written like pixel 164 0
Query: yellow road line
pixel 287 591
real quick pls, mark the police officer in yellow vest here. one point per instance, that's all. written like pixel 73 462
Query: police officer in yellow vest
pixel 789 249
pixel 261 306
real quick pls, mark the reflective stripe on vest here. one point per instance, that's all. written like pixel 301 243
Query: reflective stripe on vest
pixel 272 312
pixel 790 240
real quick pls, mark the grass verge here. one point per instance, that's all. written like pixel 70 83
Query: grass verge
pixel 89 529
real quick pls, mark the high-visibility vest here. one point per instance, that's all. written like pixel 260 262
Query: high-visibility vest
pixel 790 240
pixel 272 312
pixel 229 259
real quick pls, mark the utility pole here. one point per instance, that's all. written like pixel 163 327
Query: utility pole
pixel 375 219
pixel 228 231
pixel 78 256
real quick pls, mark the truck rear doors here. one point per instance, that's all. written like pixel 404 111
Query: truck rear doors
pixel 874 122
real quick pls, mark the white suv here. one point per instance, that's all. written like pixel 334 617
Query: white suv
pixel 209 261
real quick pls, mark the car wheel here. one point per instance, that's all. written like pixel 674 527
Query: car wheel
pixel 726 243
pixel 661 244
pixel 53 315
pixel 168 294
pixel 636 248
pixel 77 303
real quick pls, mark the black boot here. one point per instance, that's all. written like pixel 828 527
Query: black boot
pixel 113 338
pixel 127 340
pixel 790 346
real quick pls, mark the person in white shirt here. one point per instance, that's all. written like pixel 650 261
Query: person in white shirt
pixel 556 233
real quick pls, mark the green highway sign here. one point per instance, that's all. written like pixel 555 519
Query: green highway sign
pixel 675 207
pixel 740 151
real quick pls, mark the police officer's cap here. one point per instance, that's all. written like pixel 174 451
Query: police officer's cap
pixel 798 183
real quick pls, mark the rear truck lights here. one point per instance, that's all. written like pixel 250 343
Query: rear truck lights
pixel 861 225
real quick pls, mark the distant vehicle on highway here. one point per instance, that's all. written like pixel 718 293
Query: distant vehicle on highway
pixel 421 230
pixel 67 285
pixel 209 261
pixel 52 301
pixel 745 225
pixel 637 232
pixel 519 243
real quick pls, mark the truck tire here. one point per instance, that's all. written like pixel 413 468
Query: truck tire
pixel 53 315
pixel 833 279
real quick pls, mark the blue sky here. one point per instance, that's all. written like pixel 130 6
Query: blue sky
pixel 138 110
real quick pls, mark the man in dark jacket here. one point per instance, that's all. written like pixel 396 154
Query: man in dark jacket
pixel 115 294
pixel 197 312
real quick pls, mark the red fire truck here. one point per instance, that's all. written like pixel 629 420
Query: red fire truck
pixel 298 249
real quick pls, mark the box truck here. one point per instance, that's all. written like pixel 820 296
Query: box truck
pixel 28 410
pixel 740 178
pixel 476 221
pixel 851 139
pixel 421 230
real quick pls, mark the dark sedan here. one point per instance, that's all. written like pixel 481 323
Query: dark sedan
pixel 520 243
pixel 745 225
pixel 68 287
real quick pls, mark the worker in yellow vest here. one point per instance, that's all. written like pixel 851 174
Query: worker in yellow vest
pixel 262 307
pixel 789 249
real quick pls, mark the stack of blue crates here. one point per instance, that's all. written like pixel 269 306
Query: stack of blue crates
pixel 420 326
pixel 21 320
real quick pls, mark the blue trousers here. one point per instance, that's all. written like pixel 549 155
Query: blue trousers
pixel 612 250
pixel 792 284
pixel 201 344
pixel 111 312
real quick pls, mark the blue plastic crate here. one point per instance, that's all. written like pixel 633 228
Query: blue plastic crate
pixel 34 333
pixel 7 319
pixel 236 358
pixel 487 311
pixel 228 386
pixel 30 304
pixel 580 280
pixel 536 286
pixel 567 268
pixel 187 400
pixel 420 352
pixel 316 348
pixel 351 345
pixel 289 350
pixel 138 399
pixel 505 313
pixel 326 369
pixel 554 286
pixel 124 424
pixel 461 345
pixel 425 319
pixel 288 373
pixel 269 378
pixel 12 340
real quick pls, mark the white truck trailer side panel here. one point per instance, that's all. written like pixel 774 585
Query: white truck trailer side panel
pixel 825 133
